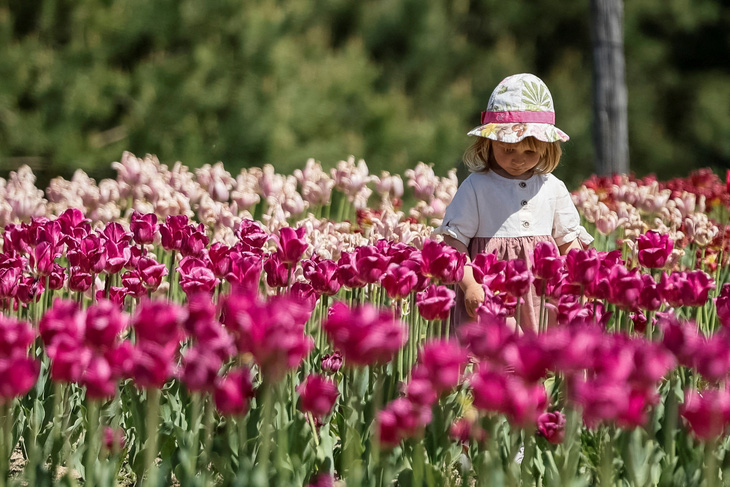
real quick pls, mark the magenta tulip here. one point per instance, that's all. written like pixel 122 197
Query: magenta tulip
pixel 331 363
pixel 707 413
pixel 443 363
pixel 322 275
pixel 143 227
pixel 364 334
pixel 251 234
pixel 233 392
pixel 291 245
pixel 654 249
pixel 398 281
pixel 200 368
pixel 318 395
pixel 442 262
pixel 551 426
pixel 435 302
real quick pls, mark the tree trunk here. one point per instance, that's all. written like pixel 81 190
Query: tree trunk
pixel 610 126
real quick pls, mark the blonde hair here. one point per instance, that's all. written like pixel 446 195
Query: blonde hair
pixel 479 156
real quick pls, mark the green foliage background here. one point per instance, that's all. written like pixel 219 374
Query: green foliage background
pixel 391 81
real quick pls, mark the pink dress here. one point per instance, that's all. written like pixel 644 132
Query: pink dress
pixel 506 248
pixel 492 213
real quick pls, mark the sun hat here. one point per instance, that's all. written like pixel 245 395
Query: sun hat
pixel 520 106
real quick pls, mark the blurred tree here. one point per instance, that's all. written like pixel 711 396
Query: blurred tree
pixel 610 126
pixel 391 81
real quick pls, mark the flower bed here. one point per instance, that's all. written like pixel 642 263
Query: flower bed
pixel 294 330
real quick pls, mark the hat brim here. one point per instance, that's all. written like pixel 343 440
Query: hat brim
pixel 515 132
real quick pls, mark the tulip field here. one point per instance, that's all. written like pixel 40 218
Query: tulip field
pixel 197 328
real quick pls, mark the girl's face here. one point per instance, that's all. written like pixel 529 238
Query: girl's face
pixel 514 160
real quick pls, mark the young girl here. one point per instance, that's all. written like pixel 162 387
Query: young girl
pixel 511 201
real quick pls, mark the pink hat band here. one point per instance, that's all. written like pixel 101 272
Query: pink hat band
pixel 542 116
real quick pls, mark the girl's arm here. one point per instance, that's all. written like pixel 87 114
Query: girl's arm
pixel 568 246
pixel 473 292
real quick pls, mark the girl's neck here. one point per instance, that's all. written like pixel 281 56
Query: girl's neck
pixel 501 172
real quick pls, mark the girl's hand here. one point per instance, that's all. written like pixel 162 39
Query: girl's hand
pixel 473 298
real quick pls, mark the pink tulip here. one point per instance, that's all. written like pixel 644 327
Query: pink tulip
pixel 246 269
pixel 88 253
pixel 722 305
pixel 173 231
pixel 251 234
pixel 600 400
pixel 635 414
pixel 680 338
pixel 65 318
pixel 151 273
pixel 104 325
pixel 712 358
pixel 463 430
pixel 529 358
pixel 398 281
pixel 114 439
pixel 442 262
pixel 159 322
pixel 581 266
pixel 152 363
pixel 233 392
pixel 652 362
pixel 78 279
pixel 371 263
pixel 143 227
pixel 9 280
pixel 322 480
pixel 626 287
pixel 650 298
pixel 114 232
pixel 707 413
pixel 272 331
pixel 518 278
pixel 521 403
pixel 331 363
pixel 486 338
pixel 98 379
pixel 220 259
pixel 686 288
pixel 200 368
pixel 546 261
pixel 196 276
pixel 400 419
pixel 133 285
pixel 443 362
pixel 118 255
pixel 291 245
pixel 43 257
pixel 194 241
pixel 29 289
pixel 15 336
pixel 551 426
pixel 69 359
pixel 277 273
pixel 349 272
pixel 18 374
pixel 489 270
pixel 318 395
pixel 654 249
pixel 73 219
pixel 419 390
pixel 364 334
pixel 322 275
pixel 435 302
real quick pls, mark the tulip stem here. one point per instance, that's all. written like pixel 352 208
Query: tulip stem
pixel 315 433
pixel 711 463
pixel 6 411
pixel 92 454
pixel 153 407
